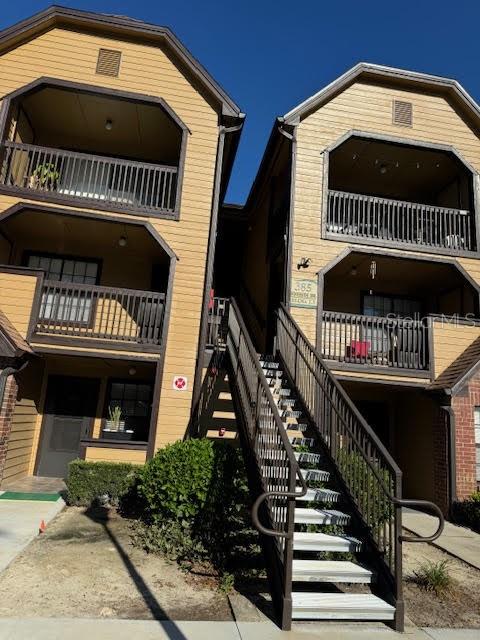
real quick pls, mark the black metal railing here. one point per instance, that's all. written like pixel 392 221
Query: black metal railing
pixel 104 313
pixel 100 179
pixel 356 215
pixel 217 322
pixel 374 340
pixel 371 478
pixel 272 456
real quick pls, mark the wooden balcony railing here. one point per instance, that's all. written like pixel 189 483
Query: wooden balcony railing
pixel 360 216
pixel 217 322
pixel 123 183
pixel 371 340
pixel 103 313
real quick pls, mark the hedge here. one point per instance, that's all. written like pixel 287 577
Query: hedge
pixel 467 512
pixel 89 481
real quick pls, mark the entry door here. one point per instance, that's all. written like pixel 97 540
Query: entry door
pixel 69 412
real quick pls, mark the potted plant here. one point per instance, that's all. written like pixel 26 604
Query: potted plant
pixel 45 177
pixel 115 427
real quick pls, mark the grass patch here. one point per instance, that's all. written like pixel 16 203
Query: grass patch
pixel 434 577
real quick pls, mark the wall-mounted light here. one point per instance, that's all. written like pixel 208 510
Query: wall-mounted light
pixel 353 271
pixel 132 371
pixel 122 241
pixel 383 169
pixel 304 263
pixel 108 124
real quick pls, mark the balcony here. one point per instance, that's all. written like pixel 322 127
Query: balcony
pixel 68 175
pixel 411 196
pixel 375 341
pixel 79 312
pixel 353 215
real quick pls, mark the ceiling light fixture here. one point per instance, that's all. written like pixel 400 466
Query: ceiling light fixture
pixel 108 124
pixel 122 241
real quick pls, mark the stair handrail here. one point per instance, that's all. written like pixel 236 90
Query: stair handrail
pixel 367 471
pixel 260 421
pixel 424 505
pixel 278 421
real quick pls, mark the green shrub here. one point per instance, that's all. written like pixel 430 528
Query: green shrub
pixel 90 481
pixel 467 512
pixel 195 503
pixel 380 507
pixel 434 576
pixel 175 482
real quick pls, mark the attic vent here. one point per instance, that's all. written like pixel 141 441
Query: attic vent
pixel 402 113
pixel 108 63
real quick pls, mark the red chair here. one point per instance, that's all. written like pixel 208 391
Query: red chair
pixel 359 348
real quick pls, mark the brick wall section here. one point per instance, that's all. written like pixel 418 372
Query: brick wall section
pixel 463 405
pixel 440 459
pixel 6 412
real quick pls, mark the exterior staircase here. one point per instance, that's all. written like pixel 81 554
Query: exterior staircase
pixel 327 494
pixel 320 508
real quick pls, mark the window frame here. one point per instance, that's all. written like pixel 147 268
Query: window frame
pixel 392 297
pixel 107 399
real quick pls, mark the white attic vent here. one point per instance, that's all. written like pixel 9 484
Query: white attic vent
pixel 402 113
pixel 108 63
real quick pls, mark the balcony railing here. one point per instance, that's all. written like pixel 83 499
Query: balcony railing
pixel 360 216
pixel 217 322
pixel 123 183
pixel 102 313
pixel 375 341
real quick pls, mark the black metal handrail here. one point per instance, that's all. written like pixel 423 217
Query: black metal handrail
pixel 373 340
pixel 358 215
pixel 104 313
pixel 217 322
pixel 273 457
pixel 67 174
pixel 370 476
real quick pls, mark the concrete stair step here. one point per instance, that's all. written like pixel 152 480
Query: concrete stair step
pixel 320 516
pixel 340 606
pixel 303 541
pixel 308 457
pixel 302 442
pixel 330 571
pixel 320 495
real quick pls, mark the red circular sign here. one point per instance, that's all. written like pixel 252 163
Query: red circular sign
pixel 180 382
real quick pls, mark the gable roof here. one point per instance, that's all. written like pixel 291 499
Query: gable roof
pixel 12 345
pixel 391 76
pixel 123 27
pixel 459 371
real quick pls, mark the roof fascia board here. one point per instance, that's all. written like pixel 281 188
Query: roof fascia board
pixel 125 27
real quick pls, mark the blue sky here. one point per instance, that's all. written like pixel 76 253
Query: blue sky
pixel 271 55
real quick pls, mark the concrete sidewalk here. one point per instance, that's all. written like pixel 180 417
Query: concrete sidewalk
pixel 19 524
pixel 79 629
pixel 458 541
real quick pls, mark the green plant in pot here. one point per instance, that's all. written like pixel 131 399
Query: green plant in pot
pixel 45 177
pixel 115 422
pixel 114 428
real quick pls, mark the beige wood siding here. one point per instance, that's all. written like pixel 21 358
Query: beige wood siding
pixel 362 107
pixel 449 341
pixel 16 299
pixel 147 70
pixel 20 450
pixel 97 454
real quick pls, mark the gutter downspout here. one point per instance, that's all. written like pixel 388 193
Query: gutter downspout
pixel 288 276
pixel 451 455
pixel 202 339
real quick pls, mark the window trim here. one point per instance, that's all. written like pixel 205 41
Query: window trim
pixel 64 257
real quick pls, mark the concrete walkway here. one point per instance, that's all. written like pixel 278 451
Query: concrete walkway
pixel 458 541
pixel 19 524
pixel 79 629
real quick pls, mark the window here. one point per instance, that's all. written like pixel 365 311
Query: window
pixel 58 304
pixel 134 400
pixel 476 420
pixel 65 269
pixel 383 305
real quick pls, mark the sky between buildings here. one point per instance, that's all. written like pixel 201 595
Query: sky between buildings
pixel 270 55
